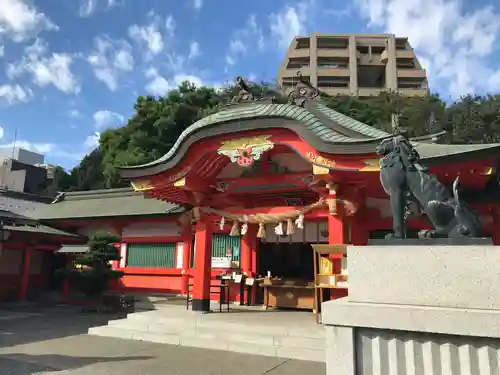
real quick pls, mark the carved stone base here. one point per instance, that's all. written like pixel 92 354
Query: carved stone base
pixel 463 241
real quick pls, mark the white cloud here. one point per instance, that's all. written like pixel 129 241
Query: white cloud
pixel 54 70
pixel 197 4
pixel 105 119
pixel 229 60
pixel 20 20
pixel 89 7
pixel 42 148
pixel 289 22
pixel 179 78
pixel 170 26
pixel 2 51
pixel 452 42
pixel 152 34
pixel 74 113
pixel 12 94
pixel 157 85
pixel 46 69
pixel 194 50
pixel 92 141
pixel 45 148
pixel 109 60
pixel 249 37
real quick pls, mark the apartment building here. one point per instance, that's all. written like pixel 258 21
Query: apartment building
pixel 358 64
pixel 25 171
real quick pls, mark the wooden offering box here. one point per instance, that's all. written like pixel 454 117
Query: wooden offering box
pixel 285 293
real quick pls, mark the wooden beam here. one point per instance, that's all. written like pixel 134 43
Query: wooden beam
pixel 193 184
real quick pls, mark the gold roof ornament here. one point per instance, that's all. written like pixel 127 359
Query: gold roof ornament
pixel 141 185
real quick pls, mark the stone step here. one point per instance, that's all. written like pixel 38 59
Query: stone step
pixel 177 319
pixel 275 346
pixel 159 305
pixel 260 336
pixel 158 297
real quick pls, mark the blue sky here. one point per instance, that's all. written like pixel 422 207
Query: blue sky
pixel 71 68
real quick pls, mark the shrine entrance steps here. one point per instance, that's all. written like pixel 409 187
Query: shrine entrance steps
pixel 286 334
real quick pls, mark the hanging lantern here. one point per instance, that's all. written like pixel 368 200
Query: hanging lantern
pixel 299 222
pixel 222 222
pixel 262 231
pixel 244 229
pixel 235 229
pixel 279 229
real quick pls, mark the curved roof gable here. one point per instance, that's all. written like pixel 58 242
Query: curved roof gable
pixel 326 129
pixel 328 125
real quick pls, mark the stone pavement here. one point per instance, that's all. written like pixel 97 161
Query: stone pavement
pixel 53 341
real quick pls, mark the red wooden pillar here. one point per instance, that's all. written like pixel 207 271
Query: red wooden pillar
pixel 186 259
pixel 202 266
pixel 255 256
pixel 359 232
pixel 255 263
pixel 25 276
pixel 336 236
pixel 335 229
pixel 247 245
pixel 248 248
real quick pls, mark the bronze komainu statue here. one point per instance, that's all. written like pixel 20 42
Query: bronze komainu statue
pixel 404 179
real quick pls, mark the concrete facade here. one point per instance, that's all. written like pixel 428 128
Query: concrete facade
pixel 420 310
pixel 22 156
pixel 360 65
pixel 426 275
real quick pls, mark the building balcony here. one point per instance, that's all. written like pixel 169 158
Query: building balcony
pixel 332 52
pixel 405 54
pixel 292 72
pixel 301 52
pixel 332 91
pixel 367 59
pixel 414 92
pixel 411 73
pixel 370 91
pixel 333 72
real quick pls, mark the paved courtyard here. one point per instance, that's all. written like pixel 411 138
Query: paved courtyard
pixel 54 341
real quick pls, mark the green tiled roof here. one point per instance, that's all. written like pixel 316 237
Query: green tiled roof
pixel 41 229
pixel 331 131
pixel 350 123
pixel 326 130
pixel 431 150
pixel 103 203
pixel 74 249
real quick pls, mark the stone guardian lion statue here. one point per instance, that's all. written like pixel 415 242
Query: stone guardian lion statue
pixel 404 178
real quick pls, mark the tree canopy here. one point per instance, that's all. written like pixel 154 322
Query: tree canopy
pixel 158 122
pixel 94 272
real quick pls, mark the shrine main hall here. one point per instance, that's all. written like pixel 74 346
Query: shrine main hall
pixel 260 182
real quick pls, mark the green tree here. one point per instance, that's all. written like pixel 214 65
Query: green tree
pixel 154 128
pixel 475 119
pixel 94 272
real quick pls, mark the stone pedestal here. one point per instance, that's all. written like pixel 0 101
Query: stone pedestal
pixel 413 309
